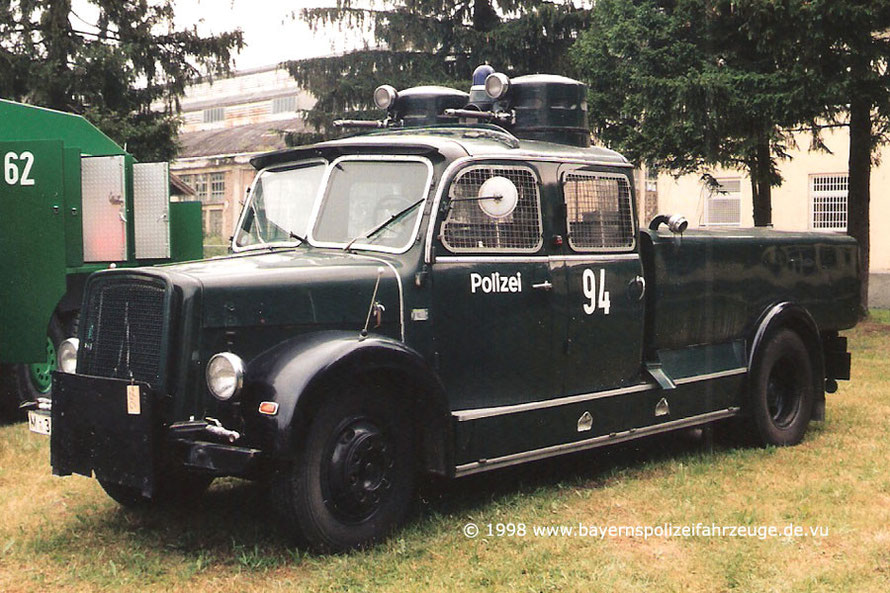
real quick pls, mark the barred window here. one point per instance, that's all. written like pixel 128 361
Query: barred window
pixel 723 206
pixel 493 208
pixel 284 104
pixel 828 195
pixel 598 210
pixel 214 114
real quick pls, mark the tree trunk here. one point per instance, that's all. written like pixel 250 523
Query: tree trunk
pixel 859 189
pixel 761 184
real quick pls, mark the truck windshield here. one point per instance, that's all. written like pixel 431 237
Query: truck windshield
pixel 280 205
pixel 369 202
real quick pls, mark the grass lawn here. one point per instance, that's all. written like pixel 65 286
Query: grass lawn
pixel 65 534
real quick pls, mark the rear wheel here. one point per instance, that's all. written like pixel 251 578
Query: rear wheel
pixel 353 480
pixel 781 390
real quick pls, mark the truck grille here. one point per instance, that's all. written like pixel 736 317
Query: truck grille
pixel 123 329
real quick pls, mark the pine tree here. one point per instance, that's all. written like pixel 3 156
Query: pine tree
pixel 434 42
pixel 111 71
pixel 693 84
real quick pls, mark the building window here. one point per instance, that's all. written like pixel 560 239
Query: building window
pixel 828 199
pixel 284 104
pixel 217 187
pixel 214 114
pixel 210 188
pixel 723 205
pixel 213 222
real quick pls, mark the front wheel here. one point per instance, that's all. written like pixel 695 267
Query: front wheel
pixel 781 391
pixel 353 480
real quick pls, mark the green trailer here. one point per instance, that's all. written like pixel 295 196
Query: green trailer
pixel 71 202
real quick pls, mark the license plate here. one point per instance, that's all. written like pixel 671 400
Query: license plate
pixel 40 423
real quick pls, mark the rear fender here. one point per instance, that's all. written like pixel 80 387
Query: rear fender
pixel 797 318
pixel 298 373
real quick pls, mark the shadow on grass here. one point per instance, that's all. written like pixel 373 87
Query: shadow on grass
pixel 235 523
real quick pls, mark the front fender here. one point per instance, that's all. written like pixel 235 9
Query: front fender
pixel 294 373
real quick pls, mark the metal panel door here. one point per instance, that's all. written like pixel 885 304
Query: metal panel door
pixel 104 209
pixel 151 210
pixel 32 246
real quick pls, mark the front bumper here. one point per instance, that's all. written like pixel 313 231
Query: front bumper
pixel 110 428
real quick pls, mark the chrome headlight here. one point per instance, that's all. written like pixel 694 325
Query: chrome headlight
pixel 66 355
pixel 225 375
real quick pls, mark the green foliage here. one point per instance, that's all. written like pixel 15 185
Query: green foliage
pixel 690 84
pixel 112 70
pixel 434 42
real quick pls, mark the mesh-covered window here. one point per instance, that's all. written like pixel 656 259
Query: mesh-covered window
pixel 723 206
pixel 829 197
pixel 598 209
pixel 493 208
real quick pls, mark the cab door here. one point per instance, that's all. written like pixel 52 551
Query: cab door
pixel 602 318
pixel 492 298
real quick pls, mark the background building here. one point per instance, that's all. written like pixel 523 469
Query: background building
pixel 226 122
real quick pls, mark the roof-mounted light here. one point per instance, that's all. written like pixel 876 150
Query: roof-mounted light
pixel 385 96
pixel 497 85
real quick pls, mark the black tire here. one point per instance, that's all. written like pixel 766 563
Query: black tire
pixel 353 479
pixel 781 393
pixel 20 383
pixel 178 488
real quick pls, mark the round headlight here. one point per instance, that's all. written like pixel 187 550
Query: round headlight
pixel 497 85
pixel 225 375
pixel 385 96
pixel 66 355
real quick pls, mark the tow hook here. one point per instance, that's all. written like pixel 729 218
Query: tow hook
pixel 41 403
pixel 216 428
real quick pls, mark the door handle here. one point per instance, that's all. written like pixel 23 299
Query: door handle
pixel 543 286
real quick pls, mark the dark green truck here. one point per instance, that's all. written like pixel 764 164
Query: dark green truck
pixel 463 290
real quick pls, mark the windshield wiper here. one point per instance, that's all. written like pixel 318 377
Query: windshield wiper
pixel 376 229
pixel 299 238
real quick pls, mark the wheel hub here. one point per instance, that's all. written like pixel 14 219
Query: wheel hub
pixel 41 373
pixel 359 470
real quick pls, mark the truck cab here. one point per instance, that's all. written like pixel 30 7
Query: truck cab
pixel 462 290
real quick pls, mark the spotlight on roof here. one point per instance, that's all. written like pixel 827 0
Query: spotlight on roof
pixel 385 96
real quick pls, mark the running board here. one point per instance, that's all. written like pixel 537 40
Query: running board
pixel 484 465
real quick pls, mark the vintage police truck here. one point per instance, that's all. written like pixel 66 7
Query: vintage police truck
pixel 71 202
pixel 463 289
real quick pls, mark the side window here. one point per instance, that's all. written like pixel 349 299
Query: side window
pixel 493 208
pixel 598 211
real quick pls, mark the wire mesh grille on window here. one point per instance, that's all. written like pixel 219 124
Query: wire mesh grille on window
pixel 599 212
pixel 830 202
pixel 467 226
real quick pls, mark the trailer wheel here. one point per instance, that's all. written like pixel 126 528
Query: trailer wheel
pixel 20 383
pixel 781 393
pixel 353 480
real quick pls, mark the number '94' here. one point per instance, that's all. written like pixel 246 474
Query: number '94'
pixel 595 301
